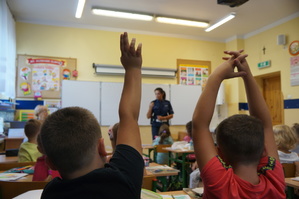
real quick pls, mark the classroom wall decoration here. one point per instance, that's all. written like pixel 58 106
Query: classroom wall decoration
pixel 40 76
pixel 294 71
pixel 193 72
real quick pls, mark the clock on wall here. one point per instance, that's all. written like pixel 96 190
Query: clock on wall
pixel 294 48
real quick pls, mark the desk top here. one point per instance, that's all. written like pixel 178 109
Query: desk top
pixel 147 146
pixel 4 159
pixel 172 193
pixel 168 173
pixel 291 183
pixel 178 150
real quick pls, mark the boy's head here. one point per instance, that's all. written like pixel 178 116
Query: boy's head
pixel 41 112
pixel 285 137
pixel 240 139
pixel 189 128
pixel 70 138
pixel 32 128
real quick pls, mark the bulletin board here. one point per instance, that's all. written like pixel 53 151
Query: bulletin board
pixel 41 76
pixel 193 72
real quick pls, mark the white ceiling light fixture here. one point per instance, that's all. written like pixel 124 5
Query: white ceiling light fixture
pixel 222 21
pixel 80 7
pixel 183 22
pixel 121 14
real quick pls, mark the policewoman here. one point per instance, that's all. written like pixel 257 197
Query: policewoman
pixel 160 111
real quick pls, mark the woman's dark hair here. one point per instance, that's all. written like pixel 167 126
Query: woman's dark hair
pixel 164 132
pixel 162 92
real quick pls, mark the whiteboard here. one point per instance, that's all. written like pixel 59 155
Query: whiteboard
pixel 85 94
pixel 148 95
pixel 183 99
pixel 110 97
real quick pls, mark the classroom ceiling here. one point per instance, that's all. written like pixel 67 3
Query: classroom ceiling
pixel 251 17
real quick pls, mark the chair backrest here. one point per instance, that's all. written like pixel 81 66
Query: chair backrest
pixel 149 182
pixel 181 135
pixel 13 143
pixel 159 148
pixel 289 169
pixel 9 165
pixel 10 190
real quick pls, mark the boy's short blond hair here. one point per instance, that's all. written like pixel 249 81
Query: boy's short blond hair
pixel 285 137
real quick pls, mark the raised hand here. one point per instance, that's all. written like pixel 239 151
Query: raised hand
pixel 130 57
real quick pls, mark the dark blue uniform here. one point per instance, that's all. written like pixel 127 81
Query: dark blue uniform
pixel 162 108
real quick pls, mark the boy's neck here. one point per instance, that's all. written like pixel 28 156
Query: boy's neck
pixel 32 140
pixel 247 173
pixel 97 163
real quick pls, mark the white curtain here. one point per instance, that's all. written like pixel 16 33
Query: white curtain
pixel 7 51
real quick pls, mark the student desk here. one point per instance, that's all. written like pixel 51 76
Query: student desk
pixel 149 147
pixel 176 159
pixel 162 176
pixel 173 193
pixel 4 159
pixel 291 184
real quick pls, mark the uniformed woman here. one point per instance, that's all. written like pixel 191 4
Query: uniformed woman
pixel 160 111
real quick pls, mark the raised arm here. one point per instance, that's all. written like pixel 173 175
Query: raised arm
pixel 202 139
pixel 257 106
pixel 129 106
pixel 150 110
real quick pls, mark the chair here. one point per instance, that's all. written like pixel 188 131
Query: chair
pixel 181 135
pixel 159 149
pixel 149 182
pixel 10 189
pixel 289 170
pixel 13 143
pixel 9 165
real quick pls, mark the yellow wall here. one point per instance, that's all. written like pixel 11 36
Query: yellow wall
pixel 102 47
pixel 280 60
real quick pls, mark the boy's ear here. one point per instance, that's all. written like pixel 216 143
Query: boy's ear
pixel 101 148
pixel 50 164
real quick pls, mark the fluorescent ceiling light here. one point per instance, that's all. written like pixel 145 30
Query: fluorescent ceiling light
pixel 80 7
pixel 119 14
pixel 182 22
pixel 222 21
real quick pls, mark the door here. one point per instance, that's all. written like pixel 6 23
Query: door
pixel 273 97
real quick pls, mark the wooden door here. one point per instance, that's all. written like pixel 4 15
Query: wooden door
pixel 274 99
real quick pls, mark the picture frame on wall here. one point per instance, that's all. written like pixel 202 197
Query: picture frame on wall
pixel 193 72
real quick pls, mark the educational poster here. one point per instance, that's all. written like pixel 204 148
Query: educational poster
pixel 40 77
pixel 193 74
pixel 294 71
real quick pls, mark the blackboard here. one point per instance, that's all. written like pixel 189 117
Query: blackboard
pixel 102 99
pixel 85 94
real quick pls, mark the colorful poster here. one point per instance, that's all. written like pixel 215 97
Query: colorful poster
pixel 193 74
pixel 294 71
pixel 45 77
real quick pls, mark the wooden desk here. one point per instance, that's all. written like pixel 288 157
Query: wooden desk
pixel 291 185
pixel 172 193
pixel 184 154
pixel 161 176
pixel 149 147
pixel 4 159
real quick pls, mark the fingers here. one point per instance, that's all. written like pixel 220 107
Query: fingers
pixel 138 51
pixel 132 47
pixel 124 44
